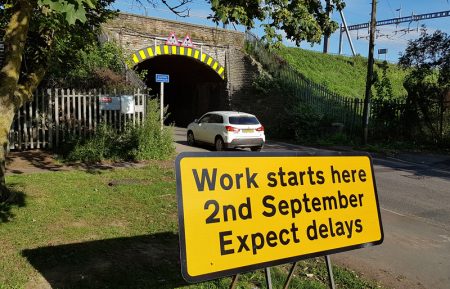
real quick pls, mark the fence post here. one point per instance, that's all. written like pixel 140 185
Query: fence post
pixel 79 97
pixel 49 118
pixel 90 111
pixel 96 98
pixel 57 118
pixel 73 95
pixel 63 111
pixel 25 123
pixel 85 106
pixel 38 120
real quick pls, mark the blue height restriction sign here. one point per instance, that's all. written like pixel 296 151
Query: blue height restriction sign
pixel 162 78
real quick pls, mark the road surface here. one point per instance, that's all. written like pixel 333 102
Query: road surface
pixel 415 211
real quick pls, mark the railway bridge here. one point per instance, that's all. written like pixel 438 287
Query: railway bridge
pixel 208 67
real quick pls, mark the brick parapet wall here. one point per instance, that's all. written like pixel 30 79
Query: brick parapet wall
pixel 134 32
pixel 161 27
pixel 132 42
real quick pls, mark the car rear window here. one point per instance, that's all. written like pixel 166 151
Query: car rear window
pixel 243 120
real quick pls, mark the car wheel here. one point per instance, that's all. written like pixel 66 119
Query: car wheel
pixel 190 138
pixel 256 149
pixel 219 144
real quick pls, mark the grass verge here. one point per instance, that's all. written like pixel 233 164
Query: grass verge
pixel 344 75
pixel 113 229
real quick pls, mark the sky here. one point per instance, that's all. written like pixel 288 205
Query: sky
pixel 394 38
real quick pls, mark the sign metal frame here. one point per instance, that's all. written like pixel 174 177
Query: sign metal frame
pixel 241 269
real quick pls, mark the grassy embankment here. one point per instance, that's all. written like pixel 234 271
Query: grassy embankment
pixel 112 229
pixel 343 75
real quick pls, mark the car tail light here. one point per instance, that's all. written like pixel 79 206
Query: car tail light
pixel 231 128
pixel 261 128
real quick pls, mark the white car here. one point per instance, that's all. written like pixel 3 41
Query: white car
pixel 227 129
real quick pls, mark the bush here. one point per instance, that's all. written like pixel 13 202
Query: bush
pixel 304 122
pixel 154 143
pixel 133 143
pixel 95 65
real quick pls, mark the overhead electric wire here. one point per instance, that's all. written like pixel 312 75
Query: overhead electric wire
pixel 402 19
pixel 390 7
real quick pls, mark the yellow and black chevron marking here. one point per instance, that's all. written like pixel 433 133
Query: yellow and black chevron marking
pixel 153 51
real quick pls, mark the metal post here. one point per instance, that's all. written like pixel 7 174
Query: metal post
pixel 161 106
pixel 234 281
pixel 330 272
pixel 340 39
pixel 369 80
pixel 291 273
pixel 268 278
pixel 346 31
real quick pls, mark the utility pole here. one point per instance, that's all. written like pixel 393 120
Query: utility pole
pixel 369 80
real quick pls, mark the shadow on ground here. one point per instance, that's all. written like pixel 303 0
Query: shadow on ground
pixel 23 162
pixel 150 261
pixel 14 198
pixel 40 159
pixel 417 171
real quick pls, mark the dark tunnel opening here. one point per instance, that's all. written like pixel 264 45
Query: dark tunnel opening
pixel 194 87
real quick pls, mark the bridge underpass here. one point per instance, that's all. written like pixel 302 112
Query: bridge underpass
pixel 194 87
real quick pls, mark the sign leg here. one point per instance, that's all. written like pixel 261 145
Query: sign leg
pixel 161 105
pixel 291 274
pixel 330 272
pixel 234 281
pixel 268 278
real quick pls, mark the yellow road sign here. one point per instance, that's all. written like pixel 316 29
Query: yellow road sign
pixel 243 211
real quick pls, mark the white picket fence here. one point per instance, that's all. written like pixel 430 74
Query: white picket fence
pixel 55 116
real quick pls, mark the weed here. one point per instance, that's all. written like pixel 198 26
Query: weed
pixel 144 142
pixel 154 142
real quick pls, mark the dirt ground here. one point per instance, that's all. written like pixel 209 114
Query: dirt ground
pixel 32 162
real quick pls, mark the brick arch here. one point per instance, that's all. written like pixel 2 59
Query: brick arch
pixel 153 51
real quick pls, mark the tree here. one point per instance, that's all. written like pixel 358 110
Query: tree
pixel 382 84
pixel 297 20
pixel 383 106
pixel 31 29
pixel 428 83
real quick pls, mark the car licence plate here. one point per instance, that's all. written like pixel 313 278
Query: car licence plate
pixel 247 130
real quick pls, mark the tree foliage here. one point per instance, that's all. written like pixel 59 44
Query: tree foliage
pixel 385 123
pixel 295 20
pixel 32 31
pixel 58 30
pixel 94 66
pixel 382 84
pixel 41 33
pixel 428 83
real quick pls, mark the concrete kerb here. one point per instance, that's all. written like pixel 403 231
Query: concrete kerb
pixel 434 160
